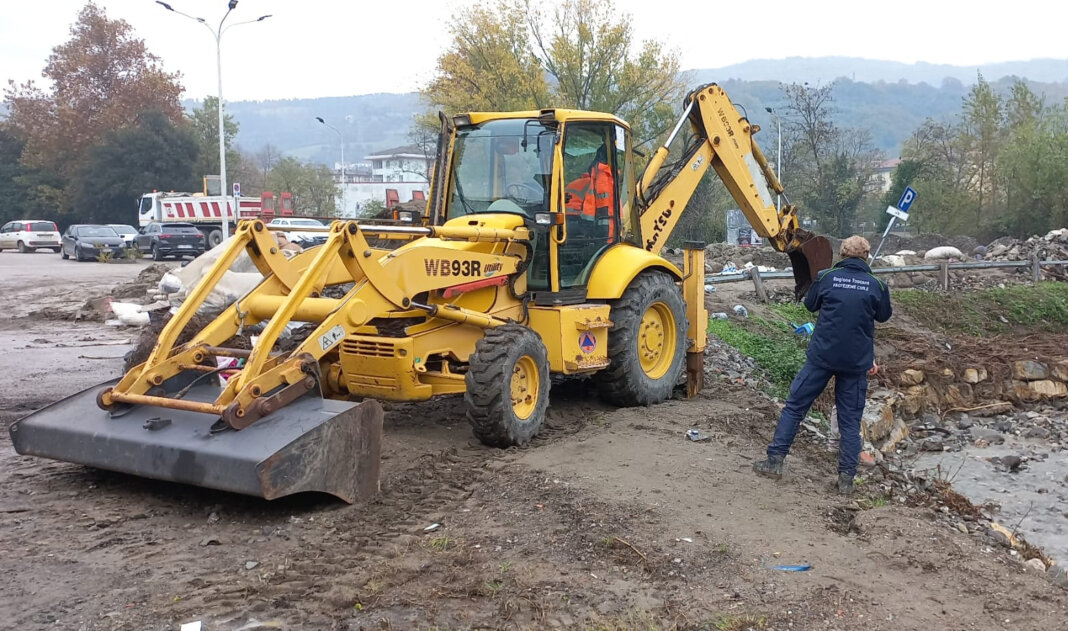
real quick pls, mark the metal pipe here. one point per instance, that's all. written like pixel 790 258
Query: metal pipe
pixel 164 402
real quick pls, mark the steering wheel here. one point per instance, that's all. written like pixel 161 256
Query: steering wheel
pixel 526 193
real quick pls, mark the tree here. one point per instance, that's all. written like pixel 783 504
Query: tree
pixel 205 125
pixel 313 186
pixel 515 56
pixel 982 127
pixel 833 167
pixel 100 80
pixel 156 154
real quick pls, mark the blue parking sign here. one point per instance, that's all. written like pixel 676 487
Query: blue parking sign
pixel 906 199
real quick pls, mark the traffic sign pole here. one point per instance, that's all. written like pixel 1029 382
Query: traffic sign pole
pixel 889 226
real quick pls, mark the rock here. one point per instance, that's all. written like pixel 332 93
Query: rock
pixel 1037 432
pixel 1000 538
pixel 1048 389
pixel 911 377
pixel 1011 463
pixel 251 565
pixel 1059 370
pixel 915 400
pixel 957 395
pixel 975 375
pixel 932 443
pixel 878 420
pixel 1036 565
pixel 210 541
pixel 1028 370
pixel 1023 392
pixel 1057 575
pixel 1003 425
pixel 965 422
pixel 991 437
pixel 961 527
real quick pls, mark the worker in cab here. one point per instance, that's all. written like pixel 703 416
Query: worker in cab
pixel 591 197
pixel 850 300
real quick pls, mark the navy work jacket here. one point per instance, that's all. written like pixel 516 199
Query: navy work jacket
pixel 850 300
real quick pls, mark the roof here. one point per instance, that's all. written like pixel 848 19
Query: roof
pixel 414 151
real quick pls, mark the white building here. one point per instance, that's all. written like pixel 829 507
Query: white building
pixel 390 177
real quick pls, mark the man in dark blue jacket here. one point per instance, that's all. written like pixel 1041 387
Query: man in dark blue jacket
pixel 850 300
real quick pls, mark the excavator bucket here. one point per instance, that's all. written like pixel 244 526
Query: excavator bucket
pixel 313 444
pixel 813 255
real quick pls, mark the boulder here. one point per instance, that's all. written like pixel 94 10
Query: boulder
pixel 1048 389
pixel 911 377
pixel 1059 371
pixel 1028 370
pixel 975 375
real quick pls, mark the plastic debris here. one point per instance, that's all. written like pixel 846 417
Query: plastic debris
pixel 719 315
pixel 710 289
pixel 192 626
pixel 729 268
pixel 740 310
pixel 792 568
pixel 803 329
pixel 432 527
pixel 696 435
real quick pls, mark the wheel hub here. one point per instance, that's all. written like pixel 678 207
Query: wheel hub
pixel 656 340
pixel 524 387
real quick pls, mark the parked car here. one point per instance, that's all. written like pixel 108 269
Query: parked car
pixel 29 234
pixel 170 239
pixel 87 242
pixel 294 233
pixel 127 232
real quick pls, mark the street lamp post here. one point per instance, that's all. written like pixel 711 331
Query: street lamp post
pixel 778 160
pixel 344 208
pixel 217 34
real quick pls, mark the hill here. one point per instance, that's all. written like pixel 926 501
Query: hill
pixel 890 99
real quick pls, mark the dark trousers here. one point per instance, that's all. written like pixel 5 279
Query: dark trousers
pixel 850 390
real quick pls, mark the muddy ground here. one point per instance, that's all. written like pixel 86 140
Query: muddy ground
pixel 611 519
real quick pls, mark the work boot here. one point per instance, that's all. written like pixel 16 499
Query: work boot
pixel 770 467
pixel 845 484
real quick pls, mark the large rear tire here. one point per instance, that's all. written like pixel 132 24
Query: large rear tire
pixel 646 344
pixel 156 256
pixel 507 386
pixel 25 249
pixel 214 238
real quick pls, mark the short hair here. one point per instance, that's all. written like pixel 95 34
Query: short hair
pixel 855 247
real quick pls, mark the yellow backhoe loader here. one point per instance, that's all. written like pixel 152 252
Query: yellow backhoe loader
pixel 541 255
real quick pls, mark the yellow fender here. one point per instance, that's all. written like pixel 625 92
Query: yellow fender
pixel 618 267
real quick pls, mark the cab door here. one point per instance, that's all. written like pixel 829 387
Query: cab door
pixel 593 180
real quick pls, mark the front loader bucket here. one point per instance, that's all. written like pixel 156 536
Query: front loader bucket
pixel 812 256
pixel 313 444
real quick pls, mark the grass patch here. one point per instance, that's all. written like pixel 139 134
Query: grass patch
pixel 988 312
pixel 772 345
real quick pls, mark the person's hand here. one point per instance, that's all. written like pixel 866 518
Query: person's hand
pixel 874 370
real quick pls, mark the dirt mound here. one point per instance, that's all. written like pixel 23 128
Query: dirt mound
pixel 146 282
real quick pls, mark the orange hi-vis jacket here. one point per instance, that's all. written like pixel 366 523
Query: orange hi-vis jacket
pixel 592 195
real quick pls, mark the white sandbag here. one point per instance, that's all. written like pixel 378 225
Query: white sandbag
pixel 943 252
pixel 170 284
pixel 893 260
pixel 906 253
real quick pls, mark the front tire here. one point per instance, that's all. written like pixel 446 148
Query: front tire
pixel 646 344
pixel 507 386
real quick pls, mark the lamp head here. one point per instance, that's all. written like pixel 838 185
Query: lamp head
pixel 232 5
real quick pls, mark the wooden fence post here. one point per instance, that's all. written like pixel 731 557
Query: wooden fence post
pixel 943 274
pixel 759 284
pixel 1036 269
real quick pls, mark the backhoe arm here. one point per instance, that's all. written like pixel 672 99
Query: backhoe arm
pixel 723 139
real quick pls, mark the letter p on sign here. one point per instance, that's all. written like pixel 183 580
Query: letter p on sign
pixel 906 199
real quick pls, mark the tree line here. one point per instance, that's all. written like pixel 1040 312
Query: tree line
pixel 110 127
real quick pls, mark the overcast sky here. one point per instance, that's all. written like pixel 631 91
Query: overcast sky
pixel 313 48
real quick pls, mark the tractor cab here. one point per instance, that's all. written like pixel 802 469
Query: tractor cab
pixel 566 173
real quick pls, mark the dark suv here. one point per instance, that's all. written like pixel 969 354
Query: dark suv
pixel 170 239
